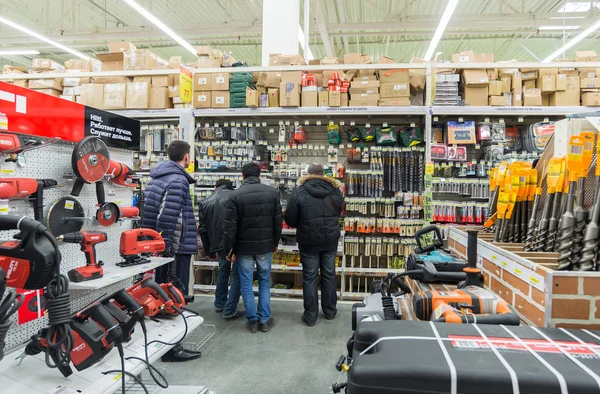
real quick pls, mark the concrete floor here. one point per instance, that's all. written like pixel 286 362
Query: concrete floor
pixel 291 358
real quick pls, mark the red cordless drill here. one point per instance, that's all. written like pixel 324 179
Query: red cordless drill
pixel 87 240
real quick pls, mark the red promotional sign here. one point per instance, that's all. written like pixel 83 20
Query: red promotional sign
pixel 26 111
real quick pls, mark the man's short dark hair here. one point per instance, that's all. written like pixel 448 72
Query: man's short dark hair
pixel 224 182
pixel 316 169
pixel 250 169
pixel 177 150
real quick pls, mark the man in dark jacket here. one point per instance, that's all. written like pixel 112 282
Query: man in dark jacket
pixel 314 209
pixel 252 233
pixel 168 210
pixel 211 214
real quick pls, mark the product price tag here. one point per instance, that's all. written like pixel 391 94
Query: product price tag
pixel 7 172
pixel 342 123
pixel 501 120
pixel 250 124
pixel 244 123
pixel 487 120
pixel 318 123
pixel 216 125
pixel 385 124
pixel 226 124
pixel 477 146
pixel 264 124
pixel 520 120
pixel 461 120
pixel 342 146
pixel 207 125
pixel 281 123
pixel 413 124
pixel 546 120
pixel 306 122
pixel 238 124
pixel 352 123
pixel 368 125
pixel 435 119
pixel 429 168
pixel 287 123
pixel 296 123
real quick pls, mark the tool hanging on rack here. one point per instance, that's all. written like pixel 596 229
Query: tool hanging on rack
pixel 590 258
pixel 18 188
pixel 554 216
pixel 15 144
pixel 90 161
pixel 65 215
pixel 541 236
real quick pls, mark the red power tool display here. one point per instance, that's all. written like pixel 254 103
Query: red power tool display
pixel 88 241
pixel 120 174
pixel 24 187
pixel 139 241
pixel 153 298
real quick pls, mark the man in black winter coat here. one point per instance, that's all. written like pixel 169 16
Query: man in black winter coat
pixel 252 233
pixel 313 210
pixel 211 214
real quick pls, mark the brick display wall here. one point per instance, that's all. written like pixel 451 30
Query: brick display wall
pixel 575 300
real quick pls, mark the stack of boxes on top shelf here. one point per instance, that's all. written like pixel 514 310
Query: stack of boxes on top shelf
pixel 211 90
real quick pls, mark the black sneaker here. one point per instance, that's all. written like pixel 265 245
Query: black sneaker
pixel 306 322
pixel 330 317
pixel 235 315
pixel 252 326
pixel 266 327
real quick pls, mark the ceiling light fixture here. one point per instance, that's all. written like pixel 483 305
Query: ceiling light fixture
pixel 155 21
pixel 558 27
pixel 574 41
pixel 43 38
pixel 441 27
pixel 19 52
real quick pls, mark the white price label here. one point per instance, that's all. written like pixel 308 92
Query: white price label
pixel 487 120
pixel 238 125
pixel 331 123
pixel 546 120
pixel 296 123
pixel 271 130
pixel 501 120
pixel 461 120
pixel 206 125
pixel 368 125
pixel 216 125
pixel 281 123
pixel 342 123
pixel 413 125
pixel 226 124
pixel 306 122
pixel 520 119
pixel 352 123
pixel 435 119
pixel 477 146
pixel 287 123
pixel 318 122
pixel 264 124
pixel 385 124
pixel 244 124
pixel 250 124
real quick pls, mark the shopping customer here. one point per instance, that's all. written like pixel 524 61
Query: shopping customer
pixel 314 210
pixel 211 215
pixel 168 210
pixel 252 233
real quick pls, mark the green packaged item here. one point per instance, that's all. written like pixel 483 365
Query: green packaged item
pixel 410 136
pixel 386 136
pixel 241 77
pixel 333 134
pixel 239 86
pixel 367 134
pixel 353 134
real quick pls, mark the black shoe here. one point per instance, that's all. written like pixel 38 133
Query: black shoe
pixel 218 310
pixel 179 354
pixel 252 326
pixel 266 327
pixel 331 317
pixel 306 322
pixel 189 299
pixel 235 315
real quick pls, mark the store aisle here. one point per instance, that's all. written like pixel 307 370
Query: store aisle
pixel 291 358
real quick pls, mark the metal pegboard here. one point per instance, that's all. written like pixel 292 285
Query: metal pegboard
pixel 54 162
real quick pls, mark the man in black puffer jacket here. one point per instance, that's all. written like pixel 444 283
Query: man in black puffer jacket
pixel 314 209
pixel 252 233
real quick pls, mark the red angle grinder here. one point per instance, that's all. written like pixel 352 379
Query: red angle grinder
pixel 155 298
pixel 13 144
pixel 14 188
pixel 87 240
pixel 139 242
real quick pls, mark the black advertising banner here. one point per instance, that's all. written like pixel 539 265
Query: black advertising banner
pixel 115 130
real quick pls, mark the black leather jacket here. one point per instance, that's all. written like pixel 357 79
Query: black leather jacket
pixel 211 214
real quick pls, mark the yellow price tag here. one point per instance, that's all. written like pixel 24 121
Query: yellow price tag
pixel 429 168
pixel 185 84
pixel 190 169
pixel 7 171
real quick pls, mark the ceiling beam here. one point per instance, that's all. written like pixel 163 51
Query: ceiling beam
pixel 322 27
pixel 342 18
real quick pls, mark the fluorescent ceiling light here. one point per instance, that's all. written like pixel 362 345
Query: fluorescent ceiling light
pixel 307 52
pixel 558 27
pixel 567 17
pixel 43 38
pixel 577 6
pixel 441 27
pixel 155 21
pixel 574 41
pixel 19 52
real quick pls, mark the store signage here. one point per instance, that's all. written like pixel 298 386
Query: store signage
pixel 26 111
pixel 185 84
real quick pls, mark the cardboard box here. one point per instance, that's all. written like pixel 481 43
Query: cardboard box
pixel 385 60
pixel 160 80
pixel 202 82
pixel 175 62
pixel 530 84
pixel 207 63
pixel 289 94
pixel 141 59
pixel 108 80
pixel 498 101
pixel 73 64
pixel 573 83
pixel 51 92
pixel 335 99
pixel 561 82
pixel 397 75
pixel 532 98
pixel 517 98
pixel 568 98
pixel 92 95
pixel 323 98
pixel 21 82
pixel 252 98
pixel 292 76
pixel 115 96
pixel 72 82
pixel 363 103
pixel 461 132
pixel 547 84
pixel 330 60
pixel 173 91
pixel 395 102
pixel 364 90
pixel 148 80
pixel 121 46
pixel 547 71
pixel 314 62
pixel 464 57
pixel 590 99
pixel 476 95
pixel 276 59
pixel 220 99
pixel 589 72
pixel 273 94
pixel 475 78
pixel 493 74
pixel 394 90
pixel 586 56
pixel 67 97
pixel 270 79
pixel 204 51
pixel 112 61
pixel 506 84
pixel 48 83
pixel 68 91
pixel 228 60
pixel 586 83
pixel 310 99
pixel 417 99
pixel 357 58
pixel 364 96
pixel 364 84
pixel 529 75
pixel 202 99
pixel 47 65
pixel 138 95
pixel 495 88
pixel 220 81
pixel 345 101
pixel 159 97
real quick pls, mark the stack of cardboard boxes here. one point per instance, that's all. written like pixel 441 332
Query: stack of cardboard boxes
pixel 211 90
pixel 590 79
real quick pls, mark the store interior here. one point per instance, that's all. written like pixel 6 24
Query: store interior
pixel 464 135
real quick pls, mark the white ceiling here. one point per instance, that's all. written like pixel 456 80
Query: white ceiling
pixel 399 29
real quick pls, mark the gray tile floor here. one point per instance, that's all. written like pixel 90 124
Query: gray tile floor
pixel 291 358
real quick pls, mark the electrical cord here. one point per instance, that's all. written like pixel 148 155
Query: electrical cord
pixel 151 368
pixel 8 306
pixel 180 312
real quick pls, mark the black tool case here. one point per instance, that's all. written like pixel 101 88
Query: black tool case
pixel 427 358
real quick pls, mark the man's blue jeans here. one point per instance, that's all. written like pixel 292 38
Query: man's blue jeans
pixel 245 264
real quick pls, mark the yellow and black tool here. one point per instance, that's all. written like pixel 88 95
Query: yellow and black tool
pixel 552 178
pixel 580 212
pixel 501 212
pixel 534 192
pixel 556 207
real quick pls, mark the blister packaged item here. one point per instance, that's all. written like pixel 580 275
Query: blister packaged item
pixel 252 134
pixel 439 152
pixel 461 132
pixel 494 153
pixel 538 136
pixel 458 153
pixel 367 134
pixel 410 136
pixel 238 133
pixel 512 140
pixel 333 134
pixel 353 134
pixel 386 136
pixel 484 131
pixel 300 134
pixel 498 132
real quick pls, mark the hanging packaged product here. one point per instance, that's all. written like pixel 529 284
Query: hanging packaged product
pixel 300 134
pixel 439 152
pixel 458 153
pixel 513 139
pixel 461 132
pixel 386 136
pixel 498 132
pixel 537 136
pixel 484 131
pixel 333 134
pixel 367 133
pixel 410 136
pixel 353 134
